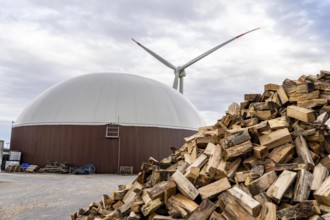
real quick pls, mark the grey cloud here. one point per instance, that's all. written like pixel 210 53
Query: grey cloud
pixel 296 16
pixel 118 20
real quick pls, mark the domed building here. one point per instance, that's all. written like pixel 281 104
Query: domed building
pixel 107 119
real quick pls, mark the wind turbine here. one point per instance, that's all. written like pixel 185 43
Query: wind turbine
pixel 179 71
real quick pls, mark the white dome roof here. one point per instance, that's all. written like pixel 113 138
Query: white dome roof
pixel 101 98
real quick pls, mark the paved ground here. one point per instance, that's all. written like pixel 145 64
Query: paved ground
pixel 52 196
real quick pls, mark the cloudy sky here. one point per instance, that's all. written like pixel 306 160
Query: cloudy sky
pixel 46 42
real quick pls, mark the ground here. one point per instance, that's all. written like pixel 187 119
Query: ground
pixel 52 196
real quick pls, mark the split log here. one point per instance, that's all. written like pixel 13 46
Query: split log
pixel 304 96
pixel 170 190
pixel 300 113
pixel 268 211
pixel 278 188
pixel 322 118
pixel 303 186
pixel 107 201
pixel 157 191
pixel 252 97
pixel 275 138
pixel 192 174
pixel 257 171
pixel 249 122
pixel 209 148
pixel 136 206
pixel 204 210
pixel 282 95
pixel 224 199
pixel 232 167
pixel 238 150
pixel 262 106
pixel 242 176
pixel 278 123
pixel 282 154
pixel 311 103
pixel 214 160
pixel 151 206
pixel 263 183
pixel 271 87
pixel 125 186
pixel 234 211
pixel 248 203
pixel 294 87
pixel 236 139
pixel 304 133
pixel 322 194
pixel 117 205
pixel 271 166
pixel 275 98
pixel 319 175
pixel 199 162
pixel 303 152
pixel 132 193
pixel 180 206
pixel 202 142
pixel 302 210
pixel 145 197
pixel 260 152
pixel 234 109
pixel 262 115
pixel 185 186
pixel 182 166
pixel 125 208
pixel 118 195
pixel 158 176
pixel 214 188
pixel 221 171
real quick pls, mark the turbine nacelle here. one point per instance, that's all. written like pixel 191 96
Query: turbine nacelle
pixel 179 71
pixel 182 72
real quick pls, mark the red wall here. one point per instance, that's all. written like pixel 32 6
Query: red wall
pixel 82 144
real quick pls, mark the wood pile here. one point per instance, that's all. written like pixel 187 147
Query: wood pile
pixel 267 158
pixel 32 169
pixel 19 168
pixel 55 167
pixel 14 169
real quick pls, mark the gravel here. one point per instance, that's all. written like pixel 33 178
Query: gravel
pixel 52 196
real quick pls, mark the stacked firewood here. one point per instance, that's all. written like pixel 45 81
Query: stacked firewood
pixel 267 158
pixel 14 168
pixel 55 167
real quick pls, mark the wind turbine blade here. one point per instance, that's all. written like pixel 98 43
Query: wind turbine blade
pixel 161 59
pixel 176 79
pixel 214 49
